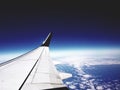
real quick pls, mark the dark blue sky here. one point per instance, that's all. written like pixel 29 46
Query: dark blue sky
pixel 74 25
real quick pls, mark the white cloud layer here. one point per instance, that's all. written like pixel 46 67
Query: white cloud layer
pixel 87 57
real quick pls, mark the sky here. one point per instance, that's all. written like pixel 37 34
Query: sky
pixel 75 25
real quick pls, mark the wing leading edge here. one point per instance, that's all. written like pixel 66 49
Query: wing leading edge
pixel 31 71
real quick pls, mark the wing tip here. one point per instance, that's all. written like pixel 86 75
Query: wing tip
pixel 46 42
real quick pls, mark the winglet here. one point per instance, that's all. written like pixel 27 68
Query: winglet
pixel 47 40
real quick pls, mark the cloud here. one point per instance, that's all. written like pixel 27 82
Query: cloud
pixel 8 56
pixel 87 57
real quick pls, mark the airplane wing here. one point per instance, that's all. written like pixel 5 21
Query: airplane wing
pixel 31 71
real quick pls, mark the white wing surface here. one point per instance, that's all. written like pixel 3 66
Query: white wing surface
pixel 31 71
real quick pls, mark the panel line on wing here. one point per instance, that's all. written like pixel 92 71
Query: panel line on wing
pixel 31 70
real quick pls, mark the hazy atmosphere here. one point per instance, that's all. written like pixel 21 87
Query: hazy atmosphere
pixel 85 42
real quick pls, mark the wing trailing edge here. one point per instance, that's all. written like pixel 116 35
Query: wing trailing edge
pixel 62 88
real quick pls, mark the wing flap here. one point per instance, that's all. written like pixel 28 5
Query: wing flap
pixel 44 75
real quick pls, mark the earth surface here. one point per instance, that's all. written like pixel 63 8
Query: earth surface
pixel 89 72
pixel 92 74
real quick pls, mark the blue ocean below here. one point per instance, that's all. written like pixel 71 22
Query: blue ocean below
pixel 93 77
